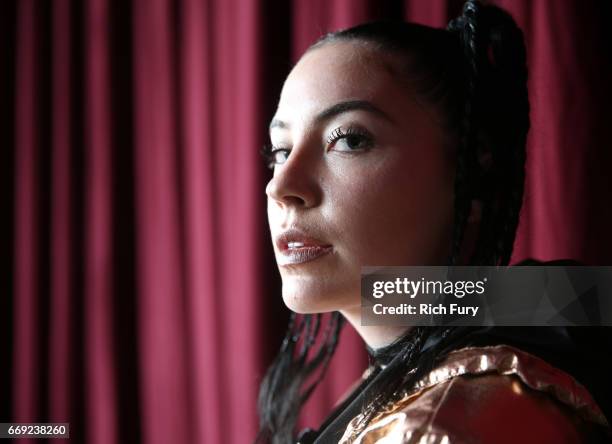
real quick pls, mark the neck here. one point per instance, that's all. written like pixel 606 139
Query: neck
pixel 375 336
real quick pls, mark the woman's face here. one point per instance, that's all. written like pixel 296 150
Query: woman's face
pixel 365 177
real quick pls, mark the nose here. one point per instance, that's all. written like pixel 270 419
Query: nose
pixel 296 182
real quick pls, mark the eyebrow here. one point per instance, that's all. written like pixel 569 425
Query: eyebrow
pixel 338 108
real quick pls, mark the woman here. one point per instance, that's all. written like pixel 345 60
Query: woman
pixel 400 144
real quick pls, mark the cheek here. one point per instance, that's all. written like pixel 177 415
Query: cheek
pixel 400 215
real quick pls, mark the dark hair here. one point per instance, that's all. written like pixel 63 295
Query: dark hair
pixel 475 73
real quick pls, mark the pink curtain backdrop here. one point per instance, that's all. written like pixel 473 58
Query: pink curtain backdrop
pixel 139 298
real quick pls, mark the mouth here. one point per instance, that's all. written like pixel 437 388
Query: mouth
pixel 296 247
pixel 300 255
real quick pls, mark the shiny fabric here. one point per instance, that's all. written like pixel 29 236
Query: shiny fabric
pixel 488 394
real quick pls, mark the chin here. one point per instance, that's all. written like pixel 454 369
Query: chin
pixel 306 303
pixel 305 300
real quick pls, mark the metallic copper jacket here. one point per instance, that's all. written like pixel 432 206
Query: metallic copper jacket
pixel 495 394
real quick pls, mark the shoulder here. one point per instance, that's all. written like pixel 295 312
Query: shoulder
pixel 489 394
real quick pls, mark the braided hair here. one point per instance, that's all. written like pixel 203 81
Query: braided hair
pixel 475 73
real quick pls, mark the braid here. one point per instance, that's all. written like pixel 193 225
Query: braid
pixel 509 54
pixel 403 367
pixel 404 371
pixel 282 394
pixel 323 358
pixel 467 25
pixel 496 120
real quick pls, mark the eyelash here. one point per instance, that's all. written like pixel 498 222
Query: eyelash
pixel 269 151
pixel 338 134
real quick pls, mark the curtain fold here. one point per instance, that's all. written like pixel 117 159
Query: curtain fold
pixel 161 296
pixel 143 301
pixel 98 304
pixel 60 163
pixel 26 268
pixel 197 181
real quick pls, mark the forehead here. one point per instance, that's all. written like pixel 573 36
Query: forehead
pixel 339 71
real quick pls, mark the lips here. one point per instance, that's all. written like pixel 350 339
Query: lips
pixel 297 247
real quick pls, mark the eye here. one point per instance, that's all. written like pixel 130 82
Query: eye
pixel 274 156
pixel 351 139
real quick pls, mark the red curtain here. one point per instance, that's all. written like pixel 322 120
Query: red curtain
pixel 139 296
